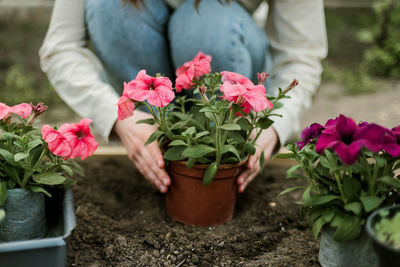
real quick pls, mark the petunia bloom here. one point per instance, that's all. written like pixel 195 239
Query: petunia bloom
pixel 24 110
pixel 236 85
pixel 125 107
pixel 392 142
pixel 57 143
pixel 156 90
pixel 4 111
pixel 82 142
pixel 309 134
pixel 339 135
pixel 200 65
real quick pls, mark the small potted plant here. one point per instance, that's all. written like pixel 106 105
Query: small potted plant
pixel 31 163
pixel 206 138
pixel 350 172
pixel 383 227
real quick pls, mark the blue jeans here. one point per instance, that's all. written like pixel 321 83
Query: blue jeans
pixel 127 39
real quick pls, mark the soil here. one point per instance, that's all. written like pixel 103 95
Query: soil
pixel 121 221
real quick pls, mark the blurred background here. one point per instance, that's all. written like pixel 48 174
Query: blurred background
pixel 361 75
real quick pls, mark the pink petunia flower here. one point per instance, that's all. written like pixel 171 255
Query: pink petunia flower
pixel 200 65
pixel 57 143
pixel 125 107
pixel 24 110
pixel 309 134
pixel 4 111
pixel 156 90
pixel 82 142
pixel 236 85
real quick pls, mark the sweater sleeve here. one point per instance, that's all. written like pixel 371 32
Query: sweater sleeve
pixel 297 35
pixel 73 70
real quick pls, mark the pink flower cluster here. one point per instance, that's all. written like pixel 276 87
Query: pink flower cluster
pixel 242 91
pixel 24 110
pixel 158 91
pixel 347 138
pixel 71 140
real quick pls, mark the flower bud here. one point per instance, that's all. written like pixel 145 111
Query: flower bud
pixel 37 110
pixel 262 77
pixel 291 86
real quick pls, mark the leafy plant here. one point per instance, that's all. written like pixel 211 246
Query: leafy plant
pixel 388 229
pixel 383 57
pixel 34 159
pixel 220 124
pixel 350 172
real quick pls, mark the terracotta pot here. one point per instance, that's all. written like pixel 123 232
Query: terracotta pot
pixel 190 202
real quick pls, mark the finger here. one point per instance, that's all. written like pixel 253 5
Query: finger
pixel 156 155
pixel 247 176
pixel 160 174
pixel 150 176
pixel 250 178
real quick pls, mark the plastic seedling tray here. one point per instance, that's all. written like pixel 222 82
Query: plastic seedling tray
pixel 51 250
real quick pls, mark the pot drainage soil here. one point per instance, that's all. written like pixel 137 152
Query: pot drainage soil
pixel 121 221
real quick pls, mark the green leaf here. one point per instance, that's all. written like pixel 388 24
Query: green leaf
pixel 317 226
pixel 291 172
pixel 198 151
pixel 208 109
pixel 20 156
pixel 262 161
pixel 7 156
pixel 39 189
pixel 328 215
pixel 2 214
pixel 189 131
pixel 244 124
pixel 201 134
pixel 3 192
pixel 230 148
pixel 354 207
pixel 264 123
pixel 34 143
pixel 9 136
pixel 230 127
pixel 190 163
pixel 150 121
pixel 348 229
pixel 249 148
pixel 67 169
pixel 76 167
pixel 179 125
pixel 394 182
pixel 371 202
pixel 153 137
pixel 49 178
pixel 306 196
pixel 285 156
pixel 316 200
pixel 288 190
pixel 210 173
pixel 178 143
pixel 324 162
pixel 351 188
pixel 175 153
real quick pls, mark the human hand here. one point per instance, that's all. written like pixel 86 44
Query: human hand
pixel 147 159
pixel 267 141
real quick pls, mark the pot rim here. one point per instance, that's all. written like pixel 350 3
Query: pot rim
pixel 371 232
pixel 205 166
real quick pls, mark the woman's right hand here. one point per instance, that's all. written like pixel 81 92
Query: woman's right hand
pixel 147 159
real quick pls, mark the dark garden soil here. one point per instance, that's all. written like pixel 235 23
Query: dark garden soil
pixel 121 221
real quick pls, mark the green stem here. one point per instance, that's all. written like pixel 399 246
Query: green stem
pixel 373 180
pixel 150 108
pixel 226 131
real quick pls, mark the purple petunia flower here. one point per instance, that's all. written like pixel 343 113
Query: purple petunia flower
pixel 347 138
pixel 309 134
pixel 392 142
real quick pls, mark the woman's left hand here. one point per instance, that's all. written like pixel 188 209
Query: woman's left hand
pixel 267 141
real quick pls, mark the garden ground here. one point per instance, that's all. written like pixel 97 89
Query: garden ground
pixel 121 221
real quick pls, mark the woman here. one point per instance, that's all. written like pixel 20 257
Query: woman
pixel 159 36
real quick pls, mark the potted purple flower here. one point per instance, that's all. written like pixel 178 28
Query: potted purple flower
pixel 350 170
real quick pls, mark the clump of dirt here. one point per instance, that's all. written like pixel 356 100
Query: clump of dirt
pixel 121 221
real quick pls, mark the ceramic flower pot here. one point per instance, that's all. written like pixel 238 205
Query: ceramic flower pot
pixel 357 252
pixel 190 202
pixel 387 255
pixel 25 215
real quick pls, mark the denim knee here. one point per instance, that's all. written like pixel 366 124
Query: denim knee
pixel 227 32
